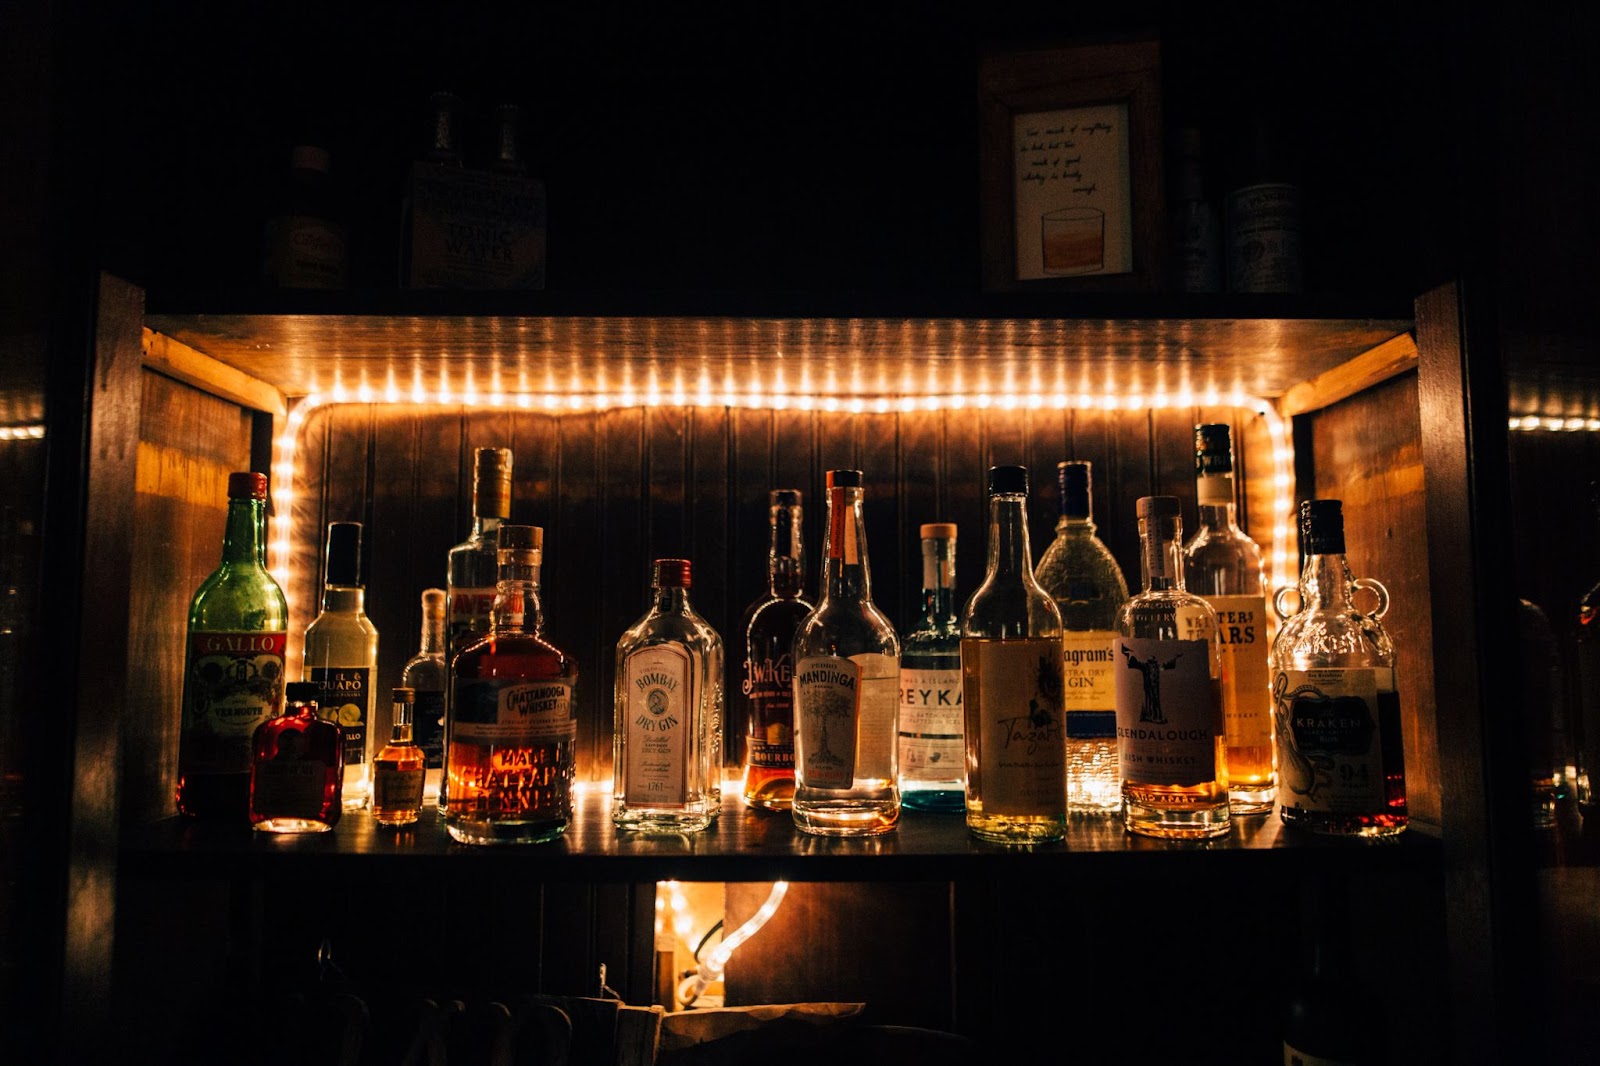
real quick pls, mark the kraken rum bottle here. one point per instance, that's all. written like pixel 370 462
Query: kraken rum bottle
pixel 1341 768
pixel 765 692
pixel 1223 565
pixel 846 679
pixel 1080 574
pixel 512 720
pixel 233 677
pixel 1171 739
pixel 340 657
pixel 1011 678
pixel 667 701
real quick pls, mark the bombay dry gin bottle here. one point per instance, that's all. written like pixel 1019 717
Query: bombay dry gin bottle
pixel 765 689
pixel 424 675
pixel 847 669
pixel 1011 680
pixel 1081 575
pixel 933 755
pixel 340 657
pixel 512 721
pixel 1341 769
pixel 1223 565
pixel 297 767
pixel 399 767
pixel 1171 738
pixel 233 673
pixel 667 700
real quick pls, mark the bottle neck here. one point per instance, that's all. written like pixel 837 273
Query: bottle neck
pixel 1214 499
pixel 432 634
pixel 671 599
pixel 786 567
pixel 517 606
pixel 401 733
pixel 1076 525
pixel 938 580
pixel 1161 553
pixel 1326 583
pixel 1218 516
pixel 244 540
pixel 1008 538
pixel 344 599
pixel 484 526
pixel 848 574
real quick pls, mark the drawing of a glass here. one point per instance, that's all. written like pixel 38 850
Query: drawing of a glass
pixel 1074 240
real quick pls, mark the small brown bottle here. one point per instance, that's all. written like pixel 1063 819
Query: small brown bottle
pixel 397 772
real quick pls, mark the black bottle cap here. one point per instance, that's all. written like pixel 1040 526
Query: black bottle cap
pixel 1157 507
pixel 784 497
pixel 1322 527
pixel 302 692
pixel 1213 449
pixel 404 694
pixel 344 553
pixel 1008 480
pixel 1072 477
pixel 670 574
pixel 844 479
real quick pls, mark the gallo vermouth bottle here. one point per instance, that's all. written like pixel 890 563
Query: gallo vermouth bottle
pixel 847 671
pixel 1341 768
pixel 233 677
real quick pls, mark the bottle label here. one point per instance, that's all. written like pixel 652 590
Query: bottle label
pixel 232 683
pixel 1246 698
pixel 476 230
pixel 1014 695
pixel 658 702
pixel 845 719
pixel 395 789
pixel 469 615
pixel 1169 713
pixel 343 696
pixel 308 252
pixel 1330 746
pixel 288 785
pixel 513 713
pixel 769 705
pixel 932 747
pixel 428 726
pixel 1089 682
pixel 1264 239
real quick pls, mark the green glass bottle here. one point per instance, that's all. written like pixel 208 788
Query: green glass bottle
pixel 234 670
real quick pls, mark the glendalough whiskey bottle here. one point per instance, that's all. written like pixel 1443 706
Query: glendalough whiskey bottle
pixel 933 755
pixel 1341 769
pixel 512 722
pixel 397 770
pixel 340 656
pixel 765 691
pixel 424 674
pixel 1080 574
pixel 234 670
pixel 1223 565
pixel 668 696
pixel 847 670
pixel 297 768
pixel 1171 739
pixel 1011 675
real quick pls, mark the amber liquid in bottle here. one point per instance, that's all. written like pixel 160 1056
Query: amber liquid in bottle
pixel 297 768
pixel 397 770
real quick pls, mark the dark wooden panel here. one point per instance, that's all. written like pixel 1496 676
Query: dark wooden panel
pixel 1046 435
pixel 622 540
pixel 710 541
pixel 577 617
pixel 1129 464
pixel 918 499
pixel 876 439
pixel 962 493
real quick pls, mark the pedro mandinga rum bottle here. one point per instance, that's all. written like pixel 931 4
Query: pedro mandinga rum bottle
pixel 233 676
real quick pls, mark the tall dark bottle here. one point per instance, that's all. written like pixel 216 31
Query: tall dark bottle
pixel 233 677
pixel 763 694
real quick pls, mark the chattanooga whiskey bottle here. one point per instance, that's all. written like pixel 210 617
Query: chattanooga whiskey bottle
pixel 1171 740
pixel 233 674
pixel 847 671
pixel 667 701
pixel 1341 769
pixel 340 657
pixel 512 720
pixel 1011 676
pixel 765 689
pixel 1223 565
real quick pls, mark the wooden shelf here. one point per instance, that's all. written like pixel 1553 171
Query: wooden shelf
pixel 746 845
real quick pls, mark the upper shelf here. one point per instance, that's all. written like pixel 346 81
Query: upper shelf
pixel 313 343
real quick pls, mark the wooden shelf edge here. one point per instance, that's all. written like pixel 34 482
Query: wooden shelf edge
pixel 177 360
pixel 1380 363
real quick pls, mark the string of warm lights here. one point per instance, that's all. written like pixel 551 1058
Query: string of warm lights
pixel 1281 564
pixel 34 431
pixel 1529 423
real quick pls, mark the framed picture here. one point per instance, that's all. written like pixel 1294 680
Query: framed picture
pixel 1072 193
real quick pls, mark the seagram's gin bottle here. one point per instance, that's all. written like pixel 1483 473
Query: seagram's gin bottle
pixel 667 701
pixel 1223 565
pixel 1011 678
pixel 847 669
pixel 933 757
pixel 1341 765
pixel 1080 574
pixel 1171 740
pixel 340 656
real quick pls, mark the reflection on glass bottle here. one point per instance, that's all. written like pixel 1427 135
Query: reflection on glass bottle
pixel 340 656
pixel 933 758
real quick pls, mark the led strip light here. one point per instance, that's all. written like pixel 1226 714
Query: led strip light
pixel 1281 565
